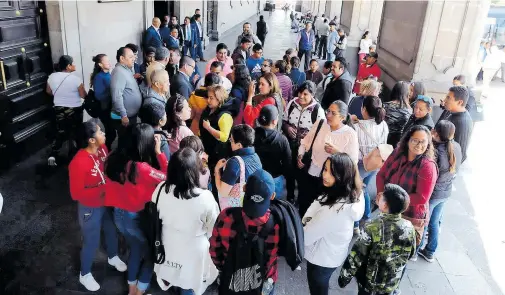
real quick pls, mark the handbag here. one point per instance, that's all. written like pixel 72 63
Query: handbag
pixel 376 158
pixel 153 229
pixel 307 157
pixel 92 105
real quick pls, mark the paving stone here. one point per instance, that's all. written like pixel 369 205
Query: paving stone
pixel 470 285
pixel 429 283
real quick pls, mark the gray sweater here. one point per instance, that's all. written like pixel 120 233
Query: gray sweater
pixel 126 97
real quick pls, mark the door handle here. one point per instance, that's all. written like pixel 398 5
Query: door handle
pixel 2 69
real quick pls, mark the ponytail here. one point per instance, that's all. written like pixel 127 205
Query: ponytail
pixel 374 108
pixel 348 120
pixel 451 155
pixel 96 68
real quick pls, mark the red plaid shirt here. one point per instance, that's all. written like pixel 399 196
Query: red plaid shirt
pixel 224 232
pixel 417 177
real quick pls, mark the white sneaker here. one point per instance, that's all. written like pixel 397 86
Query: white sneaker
pixel 117 263
pixel 88 281
pixel 51 161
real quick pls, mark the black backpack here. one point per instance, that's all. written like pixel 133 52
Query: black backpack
pixel 152 229
pixel 92 105
pixel 291 242
pixel 245 267
pixel 313 115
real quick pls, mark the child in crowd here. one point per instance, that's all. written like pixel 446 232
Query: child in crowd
pixel 379 256
pixel 154 114
pixel 193 142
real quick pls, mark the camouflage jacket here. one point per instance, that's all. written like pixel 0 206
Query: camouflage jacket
pixel 380 254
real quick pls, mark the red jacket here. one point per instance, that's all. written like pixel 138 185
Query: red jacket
pixel 364 72
pixel 133 197
pixel 252 113
pixel 86 177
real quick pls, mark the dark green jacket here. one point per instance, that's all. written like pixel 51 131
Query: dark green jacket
pixel 380 254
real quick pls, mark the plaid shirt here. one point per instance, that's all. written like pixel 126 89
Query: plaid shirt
pixel 380 254
pixel 417 177
pixel 224 232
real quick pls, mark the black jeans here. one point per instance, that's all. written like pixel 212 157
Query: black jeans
pixel 309 188
pixel 108 128
pixel 67 122
pixel 321 50
pixel 318 278
pixel 308 57
pixel 262 39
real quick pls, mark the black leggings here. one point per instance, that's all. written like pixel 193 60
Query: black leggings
pixel 309 188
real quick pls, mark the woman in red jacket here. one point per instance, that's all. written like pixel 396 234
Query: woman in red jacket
pixel 270 93
pixel 412 166
pixel 133 172
pixel 87 187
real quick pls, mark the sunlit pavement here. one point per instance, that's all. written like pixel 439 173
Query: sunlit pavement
pixel 40 237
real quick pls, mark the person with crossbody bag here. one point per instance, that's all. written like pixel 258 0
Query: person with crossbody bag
pixel 68 92
pixel 372 137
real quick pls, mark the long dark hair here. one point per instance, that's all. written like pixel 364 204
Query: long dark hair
pixel 97 59
pixel 138 147
pixel 343 110
pixel 86 131
pixel 373 106
pixel 419 89
pixel 348 183
pixel 175 104
pixel 400 93
pixel 445 130
pixel 184 173
pixel 365 34
pixel 242 77
pixel 195 143
pixel 403 145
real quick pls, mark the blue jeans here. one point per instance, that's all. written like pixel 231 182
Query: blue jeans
pixel 433 228
pixel 128 224
pixel 280 188
pixel 318 278
pixel 331 56
pixel 92 220
pixel 186 292
pixel 366 176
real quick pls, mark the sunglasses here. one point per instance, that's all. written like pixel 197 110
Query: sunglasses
pixel 426 99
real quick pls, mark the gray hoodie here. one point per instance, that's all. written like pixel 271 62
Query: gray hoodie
pixel 126 97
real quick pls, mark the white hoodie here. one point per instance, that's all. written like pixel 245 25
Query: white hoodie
pixel 329 231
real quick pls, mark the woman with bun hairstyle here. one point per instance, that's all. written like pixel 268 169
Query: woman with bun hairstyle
pixel 68 93
pixel 273 149
pixel 100 82
pixel 87 187
pixel 372 131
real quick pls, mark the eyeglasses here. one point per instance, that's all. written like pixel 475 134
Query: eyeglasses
pixel 417 142
pixel 329 112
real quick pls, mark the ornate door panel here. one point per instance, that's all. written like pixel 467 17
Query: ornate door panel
pixel 25 62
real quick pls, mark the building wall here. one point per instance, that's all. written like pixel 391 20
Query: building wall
pixel 83 29
pixel 230 16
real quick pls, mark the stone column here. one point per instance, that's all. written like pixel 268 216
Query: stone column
pixel 447 45
pixel 356 18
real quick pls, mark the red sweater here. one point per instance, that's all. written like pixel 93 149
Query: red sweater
pixel 364 72
pixel 133 197
pixel 252 113
pixel 86 177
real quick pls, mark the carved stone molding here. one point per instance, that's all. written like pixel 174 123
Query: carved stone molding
pixel 346 15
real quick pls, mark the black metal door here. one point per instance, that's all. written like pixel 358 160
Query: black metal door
pixel 25 62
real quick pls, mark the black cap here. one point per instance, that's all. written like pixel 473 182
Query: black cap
pixel 267 114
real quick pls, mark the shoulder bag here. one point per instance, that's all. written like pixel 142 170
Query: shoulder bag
pixel 376 158
pixel 307 157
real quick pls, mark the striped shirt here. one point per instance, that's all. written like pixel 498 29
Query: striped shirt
pixel 378 131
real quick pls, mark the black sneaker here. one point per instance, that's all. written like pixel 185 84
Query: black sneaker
pixel 427 256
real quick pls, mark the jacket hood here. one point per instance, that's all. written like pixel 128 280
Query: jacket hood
pixel 230 106
pixel 266 136
pixel 347 77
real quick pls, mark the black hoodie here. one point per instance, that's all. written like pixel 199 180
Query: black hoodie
pixel 273 149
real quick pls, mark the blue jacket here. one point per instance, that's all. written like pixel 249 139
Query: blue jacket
pixel 165 34
pixel 306 43
pixel 152 38
pixel 193 36
pixel 181 85
pixel 172 42
pixel 297 77
pixel 198 38
pixel 101 86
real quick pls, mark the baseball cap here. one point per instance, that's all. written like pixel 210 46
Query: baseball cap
pixel 426 99
pixel 259 188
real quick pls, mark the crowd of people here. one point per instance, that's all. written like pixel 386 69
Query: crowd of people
pixel 213 154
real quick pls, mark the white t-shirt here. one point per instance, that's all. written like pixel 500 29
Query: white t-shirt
pixel 66 93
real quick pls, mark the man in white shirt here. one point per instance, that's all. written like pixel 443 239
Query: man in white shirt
pixel 323 30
